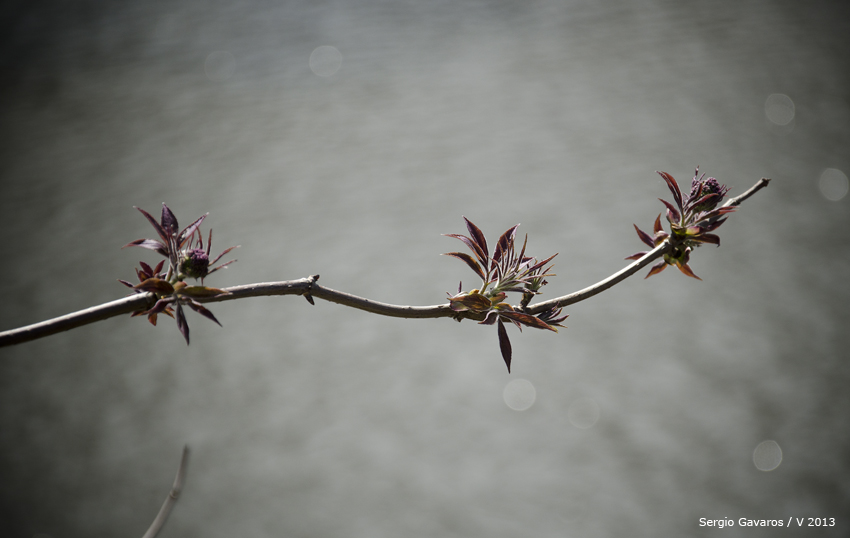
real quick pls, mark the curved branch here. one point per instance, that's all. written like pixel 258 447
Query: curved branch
pixel 309 289
pixel 602 285
pixel 176 488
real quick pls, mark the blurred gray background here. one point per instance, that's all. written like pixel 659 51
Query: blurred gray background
pixel 342 138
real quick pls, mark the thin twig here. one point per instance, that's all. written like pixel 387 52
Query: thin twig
pixel 176 488
pixel 602 285
pixel 736 201
pixel 309 289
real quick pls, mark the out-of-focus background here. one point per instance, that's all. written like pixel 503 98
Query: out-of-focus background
pixel 342 138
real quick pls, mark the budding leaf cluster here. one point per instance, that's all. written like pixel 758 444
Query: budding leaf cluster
pixel 187 258
pixel 692 219
pixel 503 272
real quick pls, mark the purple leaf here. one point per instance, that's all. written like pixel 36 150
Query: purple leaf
pixel 181 322
pixel 154 223
pixel 222 254
pixel 528 320
pixel 187 233
pixel 477 236
pixel 673 213
pixel 657 268
pixel 469 261
pixel 476 301
pixel 673 186
pixel 505 244
pixel 169 221
pixel 505 345
pixel 149 244
pixel 222 266
pixel 686 269
pixel 200 309
pixel 147 268
pixel 538 265
pixel 657 226
pixel 472 246
pixel 645 237
pixel 708 238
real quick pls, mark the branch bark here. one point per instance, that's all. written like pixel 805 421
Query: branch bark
pixel 171 500
pixel 309 289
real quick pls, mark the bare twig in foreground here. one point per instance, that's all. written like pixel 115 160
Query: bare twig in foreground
pixel 176 488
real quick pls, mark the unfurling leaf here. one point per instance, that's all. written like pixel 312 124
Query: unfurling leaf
pixel 469 261
pixel 181 322
pixel 505 345
pixel 155 285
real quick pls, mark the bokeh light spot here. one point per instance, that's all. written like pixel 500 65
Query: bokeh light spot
pixel 519 394
pixel 583 413
pixel 779 109
pixel 219 65
pixel 767 456
pixel 325 60
pixel 833 184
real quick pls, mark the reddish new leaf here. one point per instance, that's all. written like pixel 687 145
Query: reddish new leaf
pixel 469 261
pixel 155 285
pixel 181 322
pixel 505 345
pixel 154 223
pixel 477 236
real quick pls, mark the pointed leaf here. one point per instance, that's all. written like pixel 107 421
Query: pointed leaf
pixel 477 236
pixel 538 265
pixel 476 301
pixel 707 238
pixel 636 256
pixel 522 257
pixel 222 266
pixel 472 246
pixel 673 215
pixel 129 285
pixel 469 261
pixel 528 320
pixel 673 186
pixel 222 254
pixel 169 221
pixel 686 269
pixel 505 244
pixel 147 269
pixel 645 237
pixel 154 223
pixel 181 323
pixel 657 226
pixel 200 309
pixel 187 233
pixel 657 268
pixel 149 244
pixel 505 345
pixel 155 285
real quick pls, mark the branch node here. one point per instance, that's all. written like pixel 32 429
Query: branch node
pixel 307 295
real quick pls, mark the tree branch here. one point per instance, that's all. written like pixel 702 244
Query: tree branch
pixel 170 501
pixel 309 289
